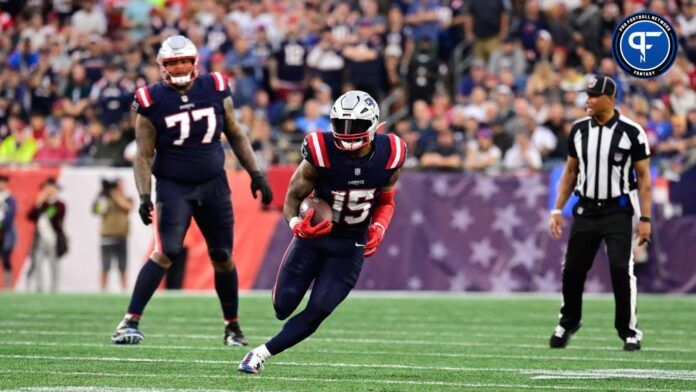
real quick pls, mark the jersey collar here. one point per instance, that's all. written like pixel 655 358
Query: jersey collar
pixel 608 124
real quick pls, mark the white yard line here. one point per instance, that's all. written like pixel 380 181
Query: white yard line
pixel 676 374
pixel 683 375
pixel 399 353
pixel 110 389
pixel 458 343
pixel 262 377
pixel 465 331
pixel 428 328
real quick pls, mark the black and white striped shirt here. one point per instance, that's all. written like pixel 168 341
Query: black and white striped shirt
pixel 606 154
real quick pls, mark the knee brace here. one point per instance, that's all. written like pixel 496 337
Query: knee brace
pixel 171 251
pixel 282 310
pixel 219 255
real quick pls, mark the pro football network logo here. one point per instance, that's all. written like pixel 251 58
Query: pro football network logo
pixel 644 45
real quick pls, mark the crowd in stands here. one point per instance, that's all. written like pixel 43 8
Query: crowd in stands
pixel 486 85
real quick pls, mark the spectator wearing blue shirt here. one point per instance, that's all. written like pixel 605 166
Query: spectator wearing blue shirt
pixel 312 120
pixel 24 59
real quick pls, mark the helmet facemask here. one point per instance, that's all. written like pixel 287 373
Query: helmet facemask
pixel 354 118
pixel 173 49
pixel 179 77
pixel 351 135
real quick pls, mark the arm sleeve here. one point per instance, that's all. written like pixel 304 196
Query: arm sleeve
pixel 384 209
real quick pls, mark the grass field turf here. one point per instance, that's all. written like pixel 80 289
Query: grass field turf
pixel 373 342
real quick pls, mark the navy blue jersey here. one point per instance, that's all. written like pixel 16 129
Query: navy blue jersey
pixel 291 58
pixel 187 148
pixel 352 185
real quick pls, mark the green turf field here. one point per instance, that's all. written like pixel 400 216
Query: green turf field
pixel 374 342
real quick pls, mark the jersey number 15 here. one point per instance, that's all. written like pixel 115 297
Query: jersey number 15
pixel 356 202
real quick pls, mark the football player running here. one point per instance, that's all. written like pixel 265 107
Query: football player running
pixel 355 171
pixel 178 124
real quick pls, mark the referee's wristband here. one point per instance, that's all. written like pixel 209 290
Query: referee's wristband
pixel 556 211
pixel 294 221
pixel 644 219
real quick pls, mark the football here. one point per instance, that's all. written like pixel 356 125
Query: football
pixel 322 210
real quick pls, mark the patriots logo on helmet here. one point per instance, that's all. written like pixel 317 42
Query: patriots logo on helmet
pixel 174 48
pixel 354 120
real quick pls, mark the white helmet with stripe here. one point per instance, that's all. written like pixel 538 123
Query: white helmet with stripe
pixel 354 120
pixel 174 48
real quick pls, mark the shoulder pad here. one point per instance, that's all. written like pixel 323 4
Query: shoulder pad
pixel 143 96
pixel 397 153
pixel 314 150
pixel 220 81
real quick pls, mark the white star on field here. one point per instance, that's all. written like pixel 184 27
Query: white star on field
pixel 393 251
pixel 438 251
pixel 547 283
pixel 485 187
pixel 543 223
pixel 506 220
pixel 594 285
pixel 440 186
pixel 525 253
pixel 530 189
pixel 503 282
pixel 417 217
pixel 482 252
pixel 414 283
pixel 461 219
pixel 459 282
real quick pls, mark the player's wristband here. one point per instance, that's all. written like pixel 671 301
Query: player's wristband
pixel 556 211
pixel 644 219
pixel 294 221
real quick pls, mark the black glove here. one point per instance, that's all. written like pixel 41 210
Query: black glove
pixel 145 209
pixel 258 183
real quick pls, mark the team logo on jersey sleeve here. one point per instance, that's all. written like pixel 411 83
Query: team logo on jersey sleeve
pixel 645 45
pixel 303 149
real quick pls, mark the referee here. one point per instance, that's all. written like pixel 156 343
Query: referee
pixel 603 151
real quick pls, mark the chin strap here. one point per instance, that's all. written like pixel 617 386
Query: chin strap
pixel 181 80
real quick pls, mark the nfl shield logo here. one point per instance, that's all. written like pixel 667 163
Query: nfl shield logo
pixel 580 210
pixel 357 171
pixel 184 98
pixel 592 83
pixel 618 156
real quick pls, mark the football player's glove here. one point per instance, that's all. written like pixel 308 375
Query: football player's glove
pixel 259 183
pixel 145 209
pixel 375 235
pixel 303 228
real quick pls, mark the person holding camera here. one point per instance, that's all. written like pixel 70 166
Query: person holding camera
pixel 50 242
pixel 8 233
pixel 113 206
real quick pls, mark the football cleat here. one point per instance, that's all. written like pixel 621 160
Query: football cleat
pixel 233 335
pixel 631 344
pixel 252 363
pixel 561 336
pixel 127 331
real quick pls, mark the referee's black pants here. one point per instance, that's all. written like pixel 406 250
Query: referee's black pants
pixel 586 234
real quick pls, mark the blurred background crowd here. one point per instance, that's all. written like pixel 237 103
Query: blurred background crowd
pixel 484 85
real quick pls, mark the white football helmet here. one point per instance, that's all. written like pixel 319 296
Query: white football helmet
pixel 354 120
pixel 178 47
